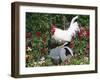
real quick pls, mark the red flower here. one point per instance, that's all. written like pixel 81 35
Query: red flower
pixel 79 35
pixel 83 33
pixel 87 34
pixel 38 34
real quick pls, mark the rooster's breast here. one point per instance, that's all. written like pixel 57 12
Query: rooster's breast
pixel 62 35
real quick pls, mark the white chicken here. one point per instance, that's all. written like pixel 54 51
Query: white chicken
pixel 65 35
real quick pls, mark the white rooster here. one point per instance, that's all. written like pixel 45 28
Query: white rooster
pixel 65 35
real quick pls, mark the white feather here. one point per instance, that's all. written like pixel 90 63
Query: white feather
pixel 66 35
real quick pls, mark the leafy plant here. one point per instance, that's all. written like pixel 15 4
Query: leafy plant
pixel 38 38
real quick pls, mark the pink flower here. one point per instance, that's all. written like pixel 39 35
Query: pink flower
pixel 38 34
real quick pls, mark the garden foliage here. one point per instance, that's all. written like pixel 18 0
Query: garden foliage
pixel 38 38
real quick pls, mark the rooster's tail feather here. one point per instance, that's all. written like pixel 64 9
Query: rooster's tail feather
pixel 73 20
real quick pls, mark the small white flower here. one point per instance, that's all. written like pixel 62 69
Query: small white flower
pixel 41 62
pixel 29 49
pixel 42 59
